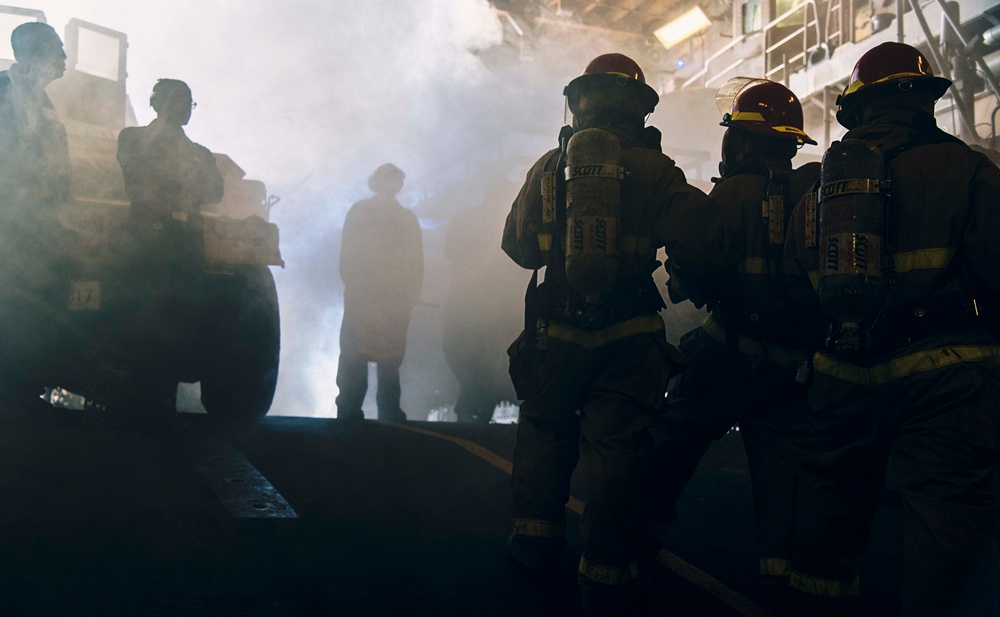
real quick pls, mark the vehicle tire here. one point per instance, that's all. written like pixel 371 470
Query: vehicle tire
pixel 243 342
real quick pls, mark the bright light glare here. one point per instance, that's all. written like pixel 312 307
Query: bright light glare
pixel 686 25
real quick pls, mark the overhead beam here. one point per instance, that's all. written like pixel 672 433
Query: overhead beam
pixel 569 25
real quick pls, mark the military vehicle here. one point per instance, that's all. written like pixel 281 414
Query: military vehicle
pixel 230 342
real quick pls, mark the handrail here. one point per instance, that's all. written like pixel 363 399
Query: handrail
pixel 803 31
pixel 715 56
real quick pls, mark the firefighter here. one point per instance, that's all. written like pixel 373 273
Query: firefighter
pixel 35 179
pixel 743 360
pixel 168 179
pixel 910 381
pixel 382 266
pixel 592 365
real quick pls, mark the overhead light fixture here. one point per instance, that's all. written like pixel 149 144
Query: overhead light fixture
pixel 687 25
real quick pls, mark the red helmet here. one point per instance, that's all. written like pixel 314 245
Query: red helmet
pixel 762 106
pixel 892 63
pixel 612 70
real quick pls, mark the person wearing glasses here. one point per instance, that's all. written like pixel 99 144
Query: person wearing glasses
pixel 168 179
pixel 168 176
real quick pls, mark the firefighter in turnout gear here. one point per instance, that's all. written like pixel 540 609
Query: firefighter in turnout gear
pixel 592 365
pixel 382 266
pixel 743 360
pixel 915 389
pixel 35 179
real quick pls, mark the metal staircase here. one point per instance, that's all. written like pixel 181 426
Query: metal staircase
pixel 815 58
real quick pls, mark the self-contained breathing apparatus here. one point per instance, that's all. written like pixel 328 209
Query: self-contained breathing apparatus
pixel 581 212
pixel 855 269
pixel 760 312
pixel 593 212
pixel 850 221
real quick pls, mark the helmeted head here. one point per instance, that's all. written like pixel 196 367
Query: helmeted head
pixel 611 82
pixel 38 47
pixel 171 99
pixel 886 70
pixel 386 180
pixel 763 107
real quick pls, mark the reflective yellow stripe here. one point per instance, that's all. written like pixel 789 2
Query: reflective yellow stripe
pixel 599 338
pixel 751 347
pixel 823 587
pixel 907 365
pixel 788 129
pixel 640 245
pixel 746 116
pixel 774 566
pixel 539 529
pixel 545 242
pixel 607 575
pixel 754 265
pixel 923 259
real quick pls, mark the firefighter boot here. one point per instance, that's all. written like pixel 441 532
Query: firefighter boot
pixel 534 554
pixel 795 603
pixel 624 600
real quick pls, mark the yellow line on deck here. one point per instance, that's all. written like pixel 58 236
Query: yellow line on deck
pixel 701 579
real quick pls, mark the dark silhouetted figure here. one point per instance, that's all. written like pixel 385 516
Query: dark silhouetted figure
pixel 592 366
pixel 382 266
pixel 744 359
pixel 479 318
pixel 35 179
pixel 168 178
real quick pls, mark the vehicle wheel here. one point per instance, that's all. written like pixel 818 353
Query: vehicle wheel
pixel 243 342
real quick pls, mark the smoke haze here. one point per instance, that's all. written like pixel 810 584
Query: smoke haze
pixel 310 97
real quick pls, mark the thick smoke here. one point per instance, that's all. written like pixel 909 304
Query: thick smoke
pixel 311 97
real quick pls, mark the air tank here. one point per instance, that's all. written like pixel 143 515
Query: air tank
pixel 853 251
pixel 593 211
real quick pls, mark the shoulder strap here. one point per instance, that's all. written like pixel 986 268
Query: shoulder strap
pixel 536 304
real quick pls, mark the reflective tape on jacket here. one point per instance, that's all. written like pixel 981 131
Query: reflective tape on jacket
pixel 823 587
pixel 754 265
pixel 593 339
pixel 753 348
pixel 774 566
pixel 903 366
pixel 539 529
pixel 608 575
pixel 921 259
